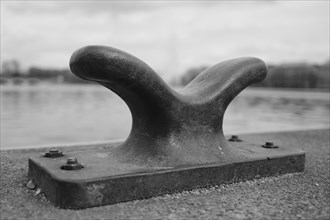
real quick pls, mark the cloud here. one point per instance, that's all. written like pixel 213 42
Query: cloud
pixel 100 6
pixel 170 36
pixel 89 7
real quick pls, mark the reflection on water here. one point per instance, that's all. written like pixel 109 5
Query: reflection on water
pixel 52 115
pixel 262 110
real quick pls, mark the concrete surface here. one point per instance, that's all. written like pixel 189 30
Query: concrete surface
pixel 292 196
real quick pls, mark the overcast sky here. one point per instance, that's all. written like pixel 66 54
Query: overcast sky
pixel 169 36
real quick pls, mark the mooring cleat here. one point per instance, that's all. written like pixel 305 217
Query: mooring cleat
pixel 176 142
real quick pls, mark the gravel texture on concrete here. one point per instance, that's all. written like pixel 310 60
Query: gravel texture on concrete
pixel 292 196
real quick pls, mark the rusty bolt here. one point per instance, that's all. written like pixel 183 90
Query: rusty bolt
pixel 54 153
pixel 269 145
pixel 72 164
pixel 234 138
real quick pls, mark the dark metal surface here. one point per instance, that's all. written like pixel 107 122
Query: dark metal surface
pixel 169 128
pixel 105 180
pixel 176 142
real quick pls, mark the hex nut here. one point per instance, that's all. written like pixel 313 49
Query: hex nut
pixel 234 138
pixel 52 153
pixel 72 164
pixel 72 160
pixel 269 144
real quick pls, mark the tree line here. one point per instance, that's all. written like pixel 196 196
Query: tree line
pixel 11 69
pixel 299 75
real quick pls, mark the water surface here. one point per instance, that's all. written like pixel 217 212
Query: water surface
pixel 50 115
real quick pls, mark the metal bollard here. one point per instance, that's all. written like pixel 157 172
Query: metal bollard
pixel 176 142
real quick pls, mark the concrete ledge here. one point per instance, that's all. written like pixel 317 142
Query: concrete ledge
pixel 293 196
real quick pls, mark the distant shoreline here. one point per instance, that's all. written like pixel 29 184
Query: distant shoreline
pixel 51 83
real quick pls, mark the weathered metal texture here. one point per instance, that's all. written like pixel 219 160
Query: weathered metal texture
pixel 169 128
pixel 176 141
pixel 105 180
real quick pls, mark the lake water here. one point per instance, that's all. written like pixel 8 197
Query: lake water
pixel 51 115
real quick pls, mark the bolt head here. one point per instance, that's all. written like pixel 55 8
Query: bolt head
pixel 234 138
pixel 269 144
pixel 72 164
pixel 72 160
pixel 53 153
